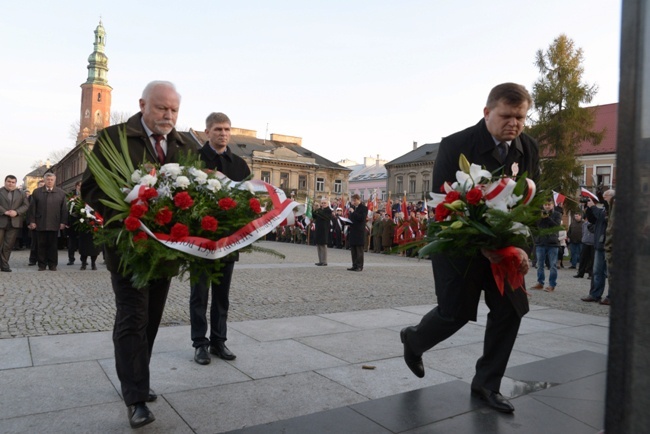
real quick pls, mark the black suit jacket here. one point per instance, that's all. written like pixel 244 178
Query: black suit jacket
pixel 357 233
pixel 140 150
pixel 477 144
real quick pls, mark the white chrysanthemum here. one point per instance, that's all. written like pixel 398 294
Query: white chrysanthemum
pixel 164 191
pixel 468 180
pixel 148 180
pixel 520 229
pixel 136 176
pixel 200 177
pixel 213 185
pixel 182 182
pixel 171 169
pixel 249 186
pixel 81 220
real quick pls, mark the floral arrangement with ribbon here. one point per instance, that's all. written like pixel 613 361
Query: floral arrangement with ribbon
pixel 483 213
pixel 83 218
pixel 180 214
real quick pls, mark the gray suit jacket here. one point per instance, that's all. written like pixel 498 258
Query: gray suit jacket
pixel 19 204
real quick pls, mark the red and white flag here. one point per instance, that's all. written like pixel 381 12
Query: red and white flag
pixel 558 198
pixel 586 193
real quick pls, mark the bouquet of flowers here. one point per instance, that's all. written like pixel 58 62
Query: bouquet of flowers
pixel 83 217
pixel 482 213
pixel 180 214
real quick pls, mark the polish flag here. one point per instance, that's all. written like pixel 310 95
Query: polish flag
pixel 586 193
pixel 558 198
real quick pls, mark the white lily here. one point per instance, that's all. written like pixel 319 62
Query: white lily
pixel 468 180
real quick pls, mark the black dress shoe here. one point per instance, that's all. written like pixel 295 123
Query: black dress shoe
pixel 493 399
pixel 201 355
pixel 413 361
pixel 152 396
pixel 352 269
pixel 578 276
pixel 93 267
pixel 221 350
pixel 71 262
pixel 359 269
pixel 6 269
pixel 31 263
pixel 140 415
pixel 83 267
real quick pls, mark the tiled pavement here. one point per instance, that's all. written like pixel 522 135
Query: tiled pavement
pixel 328 373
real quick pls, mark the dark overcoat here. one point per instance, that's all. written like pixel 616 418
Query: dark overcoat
pixel 357 232
pixel 323 220
pixel 48 209
pixel 478 145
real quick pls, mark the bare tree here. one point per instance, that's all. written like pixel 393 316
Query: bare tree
pixel 119 117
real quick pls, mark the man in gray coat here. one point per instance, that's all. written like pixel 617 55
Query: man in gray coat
pixel 48 215
pixel 13 205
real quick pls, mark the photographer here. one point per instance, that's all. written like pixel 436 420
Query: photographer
pixel 547 247
pixel 599 217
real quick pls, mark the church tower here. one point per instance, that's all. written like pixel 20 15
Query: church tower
pixel 95 92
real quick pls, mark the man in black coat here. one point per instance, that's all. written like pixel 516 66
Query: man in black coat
pixel 151 137
pixel 217 156
pixel 496 143
pixel 323 222
pixel 357 232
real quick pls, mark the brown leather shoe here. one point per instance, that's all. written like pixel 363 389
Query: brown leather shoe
pixel 549 289
pixel 537 286
pixel 605 301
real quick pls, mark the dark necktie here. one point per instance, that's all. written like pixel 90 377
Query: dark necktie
pixel 159 150
pixel 503 151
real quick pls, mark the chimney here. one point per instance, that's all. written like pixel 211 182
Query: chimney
pixel 377 160
pixel 415 145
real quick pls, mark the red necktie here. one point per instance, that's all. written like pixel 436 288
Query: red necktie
pixel 159 150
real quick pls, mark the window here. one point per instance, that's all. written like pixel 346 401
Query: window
pixel 266 177
pixel 320 184
pixel 426 185
pixel 383 195
pixel 412 185
pixel 302 182
pixel 604 175
pixel 399 185
pixel 99 97
pixel 338 186
pixel 284 180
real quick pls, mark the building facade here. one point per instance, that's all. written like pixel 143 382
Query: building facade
pixel 411 173
pixel 367 179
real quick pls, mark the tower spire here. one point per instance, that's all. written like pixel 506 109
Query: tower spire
pixel 97 61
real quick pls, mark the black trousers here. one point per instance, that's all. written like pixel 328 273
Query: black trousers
pixel 137 318
pixel 47 250
pixel 586 260
pixel 357 256
pixel 199 292
pixel 448 317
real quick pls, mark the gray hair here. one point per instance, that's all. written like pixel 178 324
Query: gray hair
pixel 147 90
pixel 49 175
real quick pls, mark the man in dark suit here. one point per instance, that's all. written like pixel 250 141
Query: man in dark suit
pixel 217 156
pixel 323 223
pixel 151 137
pixel 496 142
pixel 13 206
pixel 357 232
pixel 48 214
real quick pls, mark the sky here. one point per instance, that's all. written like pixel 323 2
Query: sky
pixel 352 78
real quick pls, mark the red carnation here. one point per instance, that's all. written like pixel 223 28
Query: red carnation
pixel 138 210
pixel 474 196
pixel 140 236
pixel 132 224
pixel 147 193
pixel 179 231
pixel 227 203
pixel 163 216
pixel 255 205
pixel 441 212
pixel 209 223
pixel 183 200
pixel 452 196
